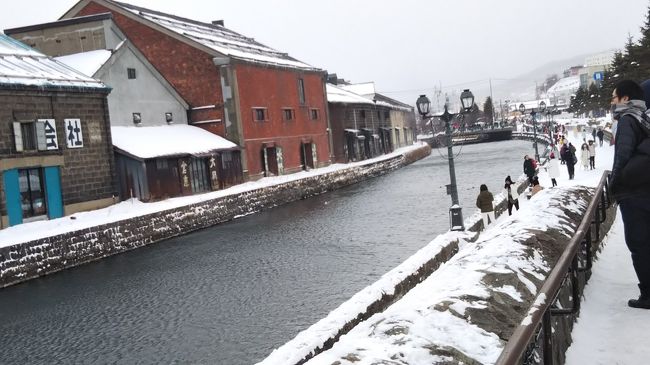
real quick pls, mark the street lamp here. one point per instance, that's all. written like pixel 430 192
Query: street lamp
pixel 424 107
pixel 533 114
pixel 542 109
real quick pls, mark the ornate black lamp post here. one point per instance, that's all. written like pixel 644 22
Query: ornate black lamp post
pixel 542 109
pixel 424 107
pixel 533 114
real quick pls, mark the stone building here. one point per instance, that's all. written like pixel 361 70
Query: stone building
pixel 365 123
pixel 157 154
pixel 56 154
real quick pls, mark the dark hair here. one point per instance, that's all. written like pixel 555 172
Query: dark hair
pixel 508 179
pixel 630 89
pixel 645 85
pixel 483 187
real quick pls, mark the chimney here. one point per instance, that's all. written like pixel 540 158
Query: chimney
pixel 218 22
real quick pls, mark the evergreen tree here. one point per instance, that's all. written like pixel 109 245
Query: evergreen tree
pixel 578 102
pixel 488 109
pixel 592 100
pixel 633 63
pixel 643 49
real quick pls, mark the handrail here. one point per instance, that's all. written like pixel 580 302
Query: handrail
pixel 516 348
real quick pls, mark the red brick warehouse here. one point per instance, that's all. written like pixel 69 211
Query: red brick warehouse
pixel 269 103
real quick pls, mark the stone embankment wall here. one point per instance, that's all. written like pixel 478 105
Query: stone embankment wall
pixel 29 260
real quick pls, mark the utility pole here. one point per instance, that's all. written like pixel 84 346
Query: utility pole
pixel 492 101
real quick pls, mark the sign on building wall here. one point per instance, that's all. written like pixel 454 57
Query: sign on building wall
pixel 314 155
pixel 280 160
pixel 214 172
pixel 51 140
pixel 183 166
pixel 73 134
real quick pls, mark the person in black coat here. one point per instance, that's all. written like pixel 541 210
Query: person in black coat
pixel 600 134
pixel 570 159
pixel 630 178
pixel 529 169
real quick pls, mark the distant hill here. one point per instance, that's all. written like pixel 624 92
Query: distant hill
pixel 522 87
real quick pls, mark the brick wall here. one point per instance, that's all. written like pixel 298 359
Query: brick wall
pixel 36 258
pixel 277 89
pixel 190 71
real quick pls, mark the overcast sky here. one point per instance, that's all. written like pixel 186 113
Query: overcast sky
pixel 405 46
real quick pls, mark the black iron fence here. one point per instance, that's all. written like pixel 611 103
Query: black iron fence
pixel 534 341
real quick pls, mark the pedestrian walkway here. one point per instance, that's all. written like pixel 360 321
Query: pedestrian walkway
pixel 608 331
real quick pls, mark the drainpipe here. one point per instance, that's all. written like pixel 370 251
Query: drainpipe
pixel 330 136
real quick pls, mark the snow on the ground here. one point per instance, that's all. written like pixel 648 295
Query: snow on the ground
pixel 608 331
pixel 605 318
pixel 134 208
pixel 414 325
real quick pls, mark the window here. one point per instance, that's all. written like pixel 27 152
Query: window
pixel 169 118
pixel 28 130
pixel 288 114
pixel 259 114
pixel 199 174
pixel 301 91
pixel 130 73
pixel 35 135
pixel 137 118
pixel 362 114
pixel 386 115
pixel 162 165
pixel 313 114
pixel 32 194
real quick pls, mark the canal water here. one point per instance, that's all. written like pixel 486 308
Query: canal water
pixel 232 293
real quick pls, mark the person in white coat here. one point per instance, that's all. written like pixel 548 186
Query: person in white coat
pixel 510 192
pixel 584 156
pixel 553 169
pixel 592 154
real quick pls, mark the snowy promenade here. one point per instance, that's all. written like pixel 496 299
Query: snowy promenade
pixel 607 332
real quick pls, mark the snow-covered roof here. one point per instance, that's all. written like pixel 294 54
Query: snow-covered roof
pixel 217 38
pixel 167 140
pixel 336 94
pixel 22 65
pixel 570 84
pixel 87 62
pixel 366 88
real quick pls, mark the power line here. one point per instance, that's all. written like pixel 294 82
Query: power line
pixel 455 85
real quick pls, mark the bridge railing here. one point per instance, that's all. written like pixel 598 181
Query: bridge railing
pixel 524 344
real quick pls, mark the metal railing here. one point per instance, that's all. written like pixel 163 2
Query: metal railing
pixel 523 348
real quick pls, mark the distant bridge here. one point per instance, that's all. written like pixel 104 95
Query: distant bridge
pixel 470 137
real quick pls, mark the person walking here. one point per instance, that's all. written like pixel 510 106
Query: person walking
pixel 571 160
pixel 592 154
pixel 563 153
pixel 553 169
pixel 600 135
pixel 536 187
pixel 510 192
pixel 630 178
pixel 484 202
pixel 529 169
pixel 584 156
